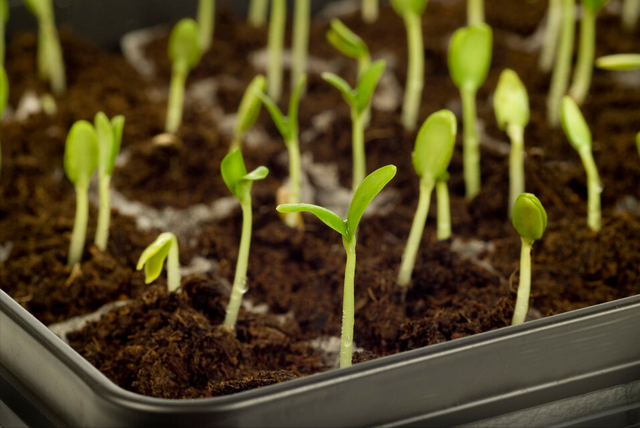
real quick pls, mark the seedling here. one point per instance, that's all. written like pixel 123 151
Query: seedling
pixel 234 174
pixel 511 105
pixel 109 136
pixel 4 17
pixel 275 45
pixel 411 12
pixel 551 35
pixel 248 111
pixel 579 135
pixel 153 257
pixel 619 62
pixel 257 15
pixel 630 15
pixel 300 40
pixel 530 221
pixel 288 127
pixel 358 99
pixel 475 12
pixel 444 208
pixel 364 194
pixel 562 68
pixel 4 95
pixel 80 162
pixel 184 53
pixel 206 22
pixel 369 11
pixel 431 157
pixel 469 60
pixel 49 54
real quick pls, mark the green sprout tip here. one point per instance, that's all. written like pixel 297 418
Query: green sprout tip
pixel 248 111
pixel 153 257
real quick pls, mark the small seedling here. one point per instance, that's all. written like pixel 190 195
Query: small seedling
pixel 184 53
pixel 511 105
pixel 206 22
pixel 248 111
pixel 431 157
pixel 469 60
pixel 562 68
pixel 4 95
pixel 4 17
pixel 358 99
pixel 475 12
pixel 300 40
pixel 530 221
pixel 551 36
pixel 153 257
pixel 444 207
pixel 579 135
pixel 239 182
pixel 411 12
pixel 257 15
pixel 369 11
pixel 275 45
pixel 619 62
pixel 364 194
pixel 630 15
pixel 80 162
pixel 109 136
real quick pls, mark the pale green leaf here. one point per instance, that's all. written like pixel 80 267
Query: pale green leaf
pixel 619 62
pixel 260 173
pixel 81 153
pixel 511 101
pixel 39 8
pixel 153 257
pixel 184 47
pixel 364 194
pixel 529 217
pixel 346 41
pixel 434 145
pixel 233 170
pixel 574 125
pixel 328 217
pixel 367 84
pixel 250 104
pixel 342 86
pixel 4 11
pixel 278 118
pixel 470 56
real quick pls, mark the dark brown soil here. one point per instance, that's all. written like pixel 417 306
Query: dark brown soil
pixel 173 345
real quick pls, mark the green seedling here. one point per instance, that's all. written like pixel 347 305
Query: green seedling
pixel 80 162
pixel 511 105
pixel 579 135
pixel 49 54
pixel 359 100
pixel 4 17
pixel 300 40
pixel 411 12
pixel 248 111
pixel 275 45
pixel 562 68
pixel 206 22
pixel 431 157
pixel 444 208
pixel 288 127
pixel 630 15
pixel 475 12
pixel 530 221
pixel 4 95
pixel 239 182
pixel 109 136
pixel 369 11
pixel 469 60
pixel 551 36
pixel 364 194
pixel 257 15
pixel 184 53
pixel 619 62
pixel 153 257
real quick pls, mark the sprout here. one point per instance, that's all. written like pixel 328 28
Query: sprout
pixel 369 11
pixel 562 68
pixel 364 194
pixel 511 105
pixel 431 157
pixel 358 99
pixel 206 22
pixel 619 62
pixel 4 17
pixel 49 55
pixel 444 209
pixel 184 53
pixel 630 14
pixel 301 16
pixel 288 127
pixel 152 259
pixel 551 35
pixel 248 110
pixel 475 12
pixel 234 174
pixel 469 60
pixel 411 11
pixel 80 162
pixel 109 136
pixel 257 15
pixel 274 48
pixel 579 135
pixel 530 220
pixel 4 95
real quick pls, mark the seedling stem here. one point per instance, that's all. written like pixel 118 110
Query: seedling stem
pixel 475 12
pixel 444 208
pixel 524 287
pixel 516 163
pixel 551 35
pixel 470 144
pixel 560 77
pixel 301 16
pixel 369 11
pixel 257 16
pixel 586 52
pixel 206 22
pixel 630 15
pixel 275 45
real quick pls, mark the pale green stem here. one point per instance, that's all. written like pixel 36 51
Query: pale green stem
pixel 415 72
pixel 206 22
pixel 76 247
pixel 551 35
pixel 560 77
pixel 415 236
pixel 258 12
pixel 293 147
pixel 2 45
pixel 470 144
pixel 444 210
pixel 524 288
pixel 516 164
pixel 173 267
pixel 363 64
pixel 630 15
pixel 348 304
pixel 586 52
pixel 359 159
pixel 475 12
pixel 594 189
pixel 274 48
pixel 369 11
pixel 53 55
pixel 104 213
pixel 236 141
pixel 301 16
pixel 176 100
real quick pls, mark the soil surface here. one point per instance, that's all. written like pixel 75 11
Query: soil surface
pixel 173 345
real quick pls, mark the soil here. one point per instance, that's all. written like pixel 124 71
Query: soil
pixel 173 346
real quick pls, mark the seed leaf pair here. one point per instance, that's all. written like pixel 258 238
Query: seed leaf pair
pixel 153 257
pixel 360 96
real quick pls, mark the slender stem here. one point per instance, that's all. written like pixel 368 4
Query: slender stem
pixel 104 213
pixel 2 45
pixel 258 12
pixel 415 72
pixel 560 77
pixel 630 15
pixel 293 147
pixel 348 304
pixel 275 44
pixel 364 62
pixel 53 55
pixel 470 144
pixel 369 11
pixel 551 35
pixel 176 100
pixel 76 247
pixel 359 162
pixel 236 141
pixel 586 52
pixel 206 22
pixel 524 288
pixel 301 16
pixel 516 164
pixel 475 12
pixel 444 210
pixel 173 267
pixel 594 189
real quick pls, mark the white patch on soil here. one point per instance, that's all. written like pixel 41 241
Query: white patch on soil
pixel 627 78
pixel 5 251
pixel 476 251
pixel 628 204
pixel 29 104
pixel 258 59
pixel 132 45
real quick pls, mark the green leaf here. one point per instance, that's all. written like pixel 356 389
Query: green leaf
pixel 39 8
pixel 364 194
pixel 346 41
pixel 292 119
pixel 233 170
pixel 328 217
pixel 184 48
pixel 250 105
pixel 117 124
pixel 4 90
pixel 619 62
pixel 574 125
pixel 511 101
pixel 434 145
pixel 594 5
pixel 445 176
pixel 109 136
pixel 81 153
pixel 260 173
pixel 4 11
pixel 367 84
pixel 470 56
pixel 344 88
pixel 276 115
pixel 153 257
pixel 403 7
pixel 529 217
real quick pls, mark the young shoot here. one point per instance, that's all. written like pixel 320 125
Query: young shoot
pixel 364 194
pixel 579 135
pixel 49 53
pixel 411 12
pixel 206 22
pixel 511 105
pixel 109 136
pixel 358 99
pixel 431 157
pixel 630 15
pixel 257 15
pixel 288 127
pixel 184 53
pixel 469 60
pixel 153 257
pixel 248 111
pixel 239 182
pixel 275 45
pixel 4 17
pixel 444 208
pixel 475 12
pixel 300 40
pixel 530 221
pixel 551 35
pixel 369 11
pixel 619 62
pixel 562 68
pixel 4 95
pixel 80 162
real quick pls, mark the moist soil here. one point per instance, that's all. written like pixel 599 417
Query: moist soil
pixel 173 345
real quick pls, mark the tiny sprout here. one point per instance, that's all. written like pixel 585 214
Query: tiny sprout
pixel 579 135
pixel 369 11
pixel 184 53
pixel 4 94
pixel 275 44
pixel 206 22
pixel 248 111
pixel 619 62
pixel 300 40
pixel 153 257
pixel 562 68
pixel 551 35
pixel 257 15
pixel 4 17
pixel 530 221
pixel 80 162
pixel 239 182
pixel 362 197
pixel 475 12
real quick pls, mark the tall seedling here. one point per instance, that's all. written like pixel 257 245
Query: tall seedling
pixel 248 111
pixel 300 48
pixel 153 257
pixel 275 44
pixel 206 22
pixel 562 68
